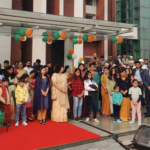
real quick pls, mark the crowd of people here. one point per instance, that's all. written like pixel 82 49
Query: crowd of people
pixel 109 88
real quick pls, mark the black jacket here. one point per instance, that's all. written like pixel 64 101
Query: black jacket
pixel 124 85
pixel 141 72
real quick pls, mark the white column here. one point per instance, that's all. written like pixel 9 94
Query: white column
pixel 5 41
pixel 61 7
pixel 106 40
pixel 78 12
pixel 38 46
pixel 68 44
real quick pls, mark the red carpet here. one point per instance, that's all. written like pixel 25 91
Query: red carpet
pixel 36 136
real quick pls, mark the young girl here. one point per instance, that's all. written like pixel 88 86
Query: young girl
pixel 117 102
pixel 42 96
pixel 135 95
pixel 28 104
pixel 77 93
pixel 90 87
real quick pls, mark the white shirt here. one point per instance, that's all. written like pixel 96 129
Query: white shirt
pixel 119 60
pixel 28 69
pixel 87 87
pixel 135 92
pixel 138 76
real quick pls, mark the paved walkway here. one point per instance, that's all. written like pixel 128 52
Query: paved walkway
pixel 108 125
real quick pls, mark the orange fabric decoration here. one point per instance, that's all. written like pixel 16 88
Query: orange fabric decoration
pixel 28 32
pixel 22 38
pixel 79 41
pixel 120 40
pixel 63 35
pixel 80 59
pixel 80 37
pixel 74 68
pixel 50 39
pixel 90 38
pixel 71 51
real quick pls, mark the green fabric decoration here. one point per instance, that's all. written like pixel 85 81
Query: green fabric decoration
pixel 22 33
pixel 56 35
pixel 85 38
pixel 75 41
pixel 2 116
pixel 113 39
pixel 44 39
pixel 17 38
pixel 44 34
pixel 79 62
pixel 69 56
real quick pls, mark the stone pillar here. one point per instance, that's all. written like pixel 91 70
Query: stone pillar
pixel 78 12
pixel 5 46
pixel 38 46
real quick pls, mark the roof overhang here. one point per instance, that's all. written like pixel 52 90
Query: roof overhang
pixel 10 20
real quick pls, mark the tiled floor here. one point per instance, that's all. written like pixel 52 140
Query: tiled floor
pixel 104 145
pixel 108 125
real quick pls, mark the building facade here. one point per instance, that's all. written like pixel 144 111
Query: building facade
pixel 135 12
pixel 34 48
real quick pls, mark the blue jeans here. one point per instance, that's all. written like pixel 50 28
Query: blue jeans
pixel 77 106
pixel 21 109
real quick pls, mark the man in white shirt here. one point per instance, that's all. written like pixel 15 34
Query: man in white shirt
pixel 28 67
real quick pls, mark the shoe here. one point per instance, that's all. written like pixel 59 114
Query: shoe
pixel 4 124
pixel 30 119
pixel 115 120
pixel 139 123
pixel 17 124
pixel 112 115
pixel 119 121
pixel 145 113
pixel 95 120
pixel 76 119
pixel 79 118
pixel 9 124
pixel 24 123
pixel 131 122
pixel 148 115
pixel 87 119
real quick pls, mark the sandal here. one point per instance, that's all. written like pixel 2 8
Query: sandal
pixel 41 121
pixel 44 122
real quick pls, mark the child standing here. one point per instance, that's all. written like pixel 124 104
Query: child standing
pixel 5 101
pixel 117 102
pixel 135 95
pixel 28 105
pixel 90 87
pixel 77 93
pixel 21 95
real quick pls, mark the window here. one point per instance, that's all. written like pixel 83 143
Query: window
pixel 90 16
pixel 87 59
pixel 91 2
pixel 129 3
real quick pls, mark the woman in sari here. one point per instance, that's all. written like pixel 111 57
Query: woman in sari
pixel 20 71
pixel 124 84
pixel 69 79
pixel 96 78
pixel 105 96
pixel 9 73
pixel 59 96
